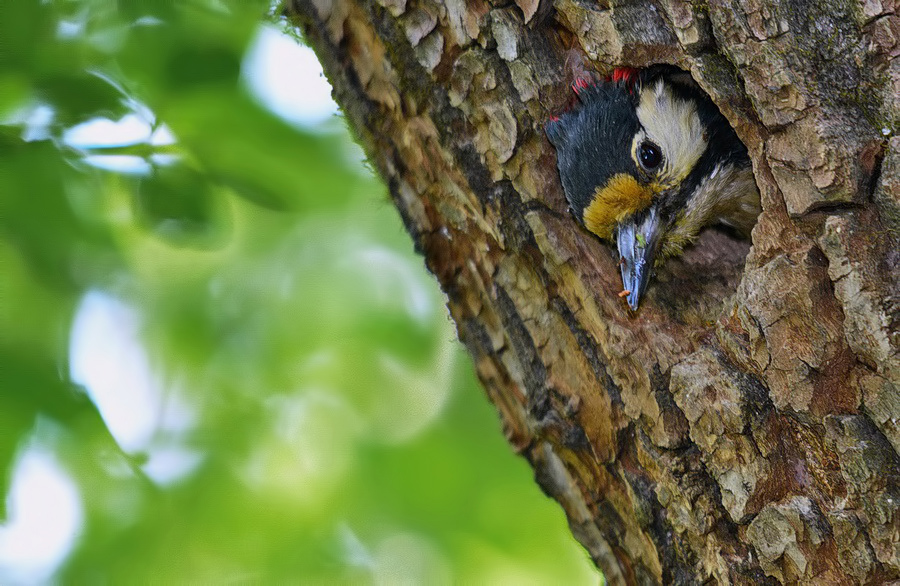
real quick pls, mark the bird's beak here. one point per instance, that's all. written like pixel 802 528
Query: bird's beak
pixel 637 238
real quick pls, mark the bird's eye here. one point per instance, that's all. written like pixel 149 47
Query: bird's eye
pixel 650 155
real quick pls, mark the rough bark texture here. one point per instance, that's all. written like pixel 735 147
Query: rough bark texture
pixel 743 426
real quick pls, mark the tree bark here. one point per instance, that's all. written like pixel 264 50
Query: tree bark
pixel 742 427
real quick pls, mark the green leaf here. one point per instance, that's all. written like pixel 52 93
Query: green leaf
pixel 262 158
pixel 36 213
pixel 79 97
pixel 135 9
pixel 181 205
pixel 24 26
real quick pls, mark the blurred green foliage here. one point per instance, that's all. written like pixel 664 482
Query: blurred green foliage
pixel 319 420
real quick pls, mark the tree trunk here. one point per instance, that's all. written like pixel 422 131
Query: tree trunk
pixel 742 427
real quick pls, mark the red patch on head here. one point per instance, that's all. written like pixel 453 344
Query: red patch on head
pixel 579 84
pixel 627 75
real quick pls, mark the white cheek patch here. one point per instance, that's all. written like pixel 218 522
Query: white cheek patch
pixel 674 125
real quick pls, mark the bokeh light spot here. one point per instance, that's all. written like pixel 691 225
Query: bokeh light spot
pixel 44 521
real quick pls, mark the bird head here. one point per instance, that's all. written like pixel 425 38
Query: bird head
pixel 646 160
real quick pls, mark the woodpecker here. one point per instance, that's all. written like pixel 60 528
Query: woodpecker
pixel 647 160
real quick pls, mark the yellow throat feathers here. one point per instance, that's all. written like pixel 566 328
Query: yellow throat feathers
pixel 613 202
